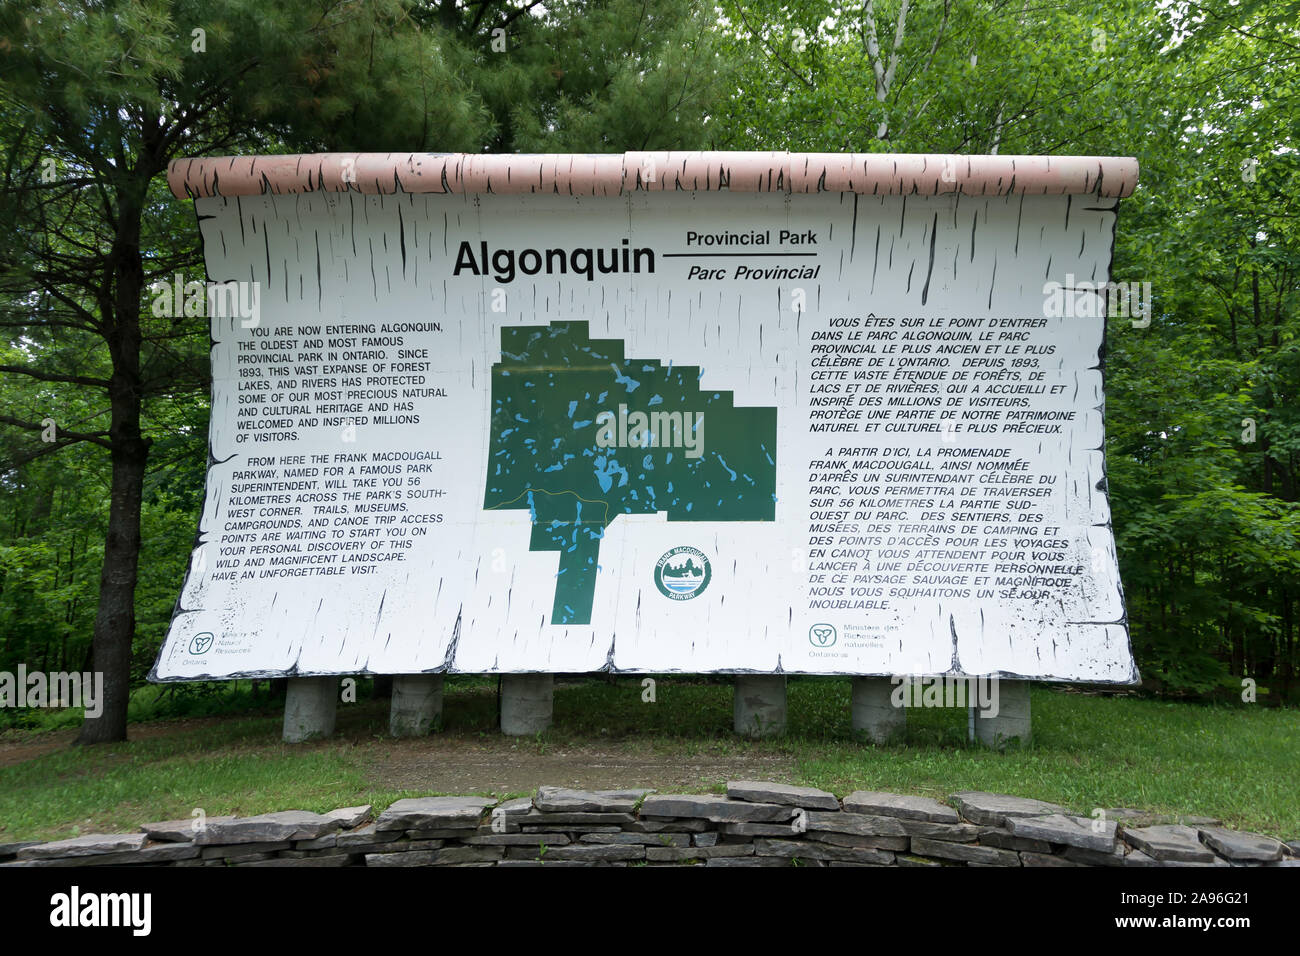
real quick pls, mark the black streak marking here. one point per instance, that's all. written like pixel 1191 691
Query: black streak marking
pixel 374 280
pixel 1020 212
pixel 401 236
pixel 352 207
pixel 934 234
pixel 853 235
pixel 449 661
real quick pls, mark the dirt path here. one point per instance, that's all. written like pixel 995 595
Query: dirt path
pixel 455 765
pixel 15 749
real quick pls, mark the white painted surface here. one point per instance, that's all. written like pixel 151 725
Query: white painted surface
pixel 470 596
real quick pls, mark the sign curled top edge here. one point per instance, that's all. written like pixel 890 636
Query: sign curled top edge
pixel 613 174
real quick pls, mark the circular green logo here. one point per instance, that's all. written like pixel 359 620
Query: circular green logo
pixel 682 573
pixel 822 635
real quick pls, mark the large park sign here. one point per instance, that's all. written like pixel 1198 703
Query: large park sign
pixel 697 412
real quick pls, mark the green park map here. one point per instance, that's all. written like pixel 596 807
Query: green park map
pixel 580 434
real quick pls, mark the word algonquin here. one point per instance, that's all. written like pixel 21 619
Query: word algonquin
pixel 505 264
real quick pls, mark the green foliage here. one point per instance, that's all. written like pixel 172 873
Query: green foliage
pixel 938 77
pixel 1202 423
pixel 605 77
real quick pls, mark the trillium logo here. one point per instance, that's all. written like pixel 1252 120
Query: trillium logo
pixel 682 573
pixel 200 643
pixel 822 635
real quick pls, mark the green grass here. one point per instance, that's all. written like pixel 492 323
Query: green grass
pixel 1239 763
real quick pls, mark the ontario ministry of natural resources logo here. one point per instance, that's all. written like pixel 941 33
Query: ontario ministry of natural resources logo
pixel 682 573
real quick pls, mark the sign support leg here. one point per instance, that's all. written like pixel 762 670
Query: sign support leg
pixel 875 718
pixel 759 709
pixel 310 706
pixel 1011 721
pixel 417 704
pixel 527 701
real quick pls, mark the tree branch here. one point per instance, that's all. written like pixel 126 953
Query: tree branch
pixel 55 377
pixel 70 438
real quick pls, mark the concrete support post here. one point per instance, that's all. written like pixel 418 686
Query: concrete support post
pixel 416 706
pixel 1011 720
pixel 310 706
pixel 759 709
pixel 527 701
pixel 875 718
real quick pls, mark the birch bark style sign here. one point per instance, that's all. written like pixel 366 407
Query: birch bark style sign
pixel 698 412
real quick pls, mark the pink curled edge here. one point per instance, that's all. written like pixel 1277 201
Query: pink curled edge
pixel 615 174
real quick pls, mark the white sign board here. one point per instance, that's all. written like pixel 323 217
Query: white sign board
pixel 660 432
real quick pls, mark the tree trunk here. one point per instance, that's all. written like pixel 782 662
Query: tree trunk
pixel 115 618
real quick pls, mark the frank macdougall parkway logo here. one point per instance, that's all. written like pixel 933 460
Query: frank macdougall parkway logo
pixel 683 573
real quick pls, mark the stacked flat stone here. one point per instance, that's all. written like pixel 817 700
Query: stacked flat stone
pixel 753 824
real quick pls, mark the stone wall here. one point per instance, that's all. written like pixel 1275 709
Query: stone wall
pixel 755 824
